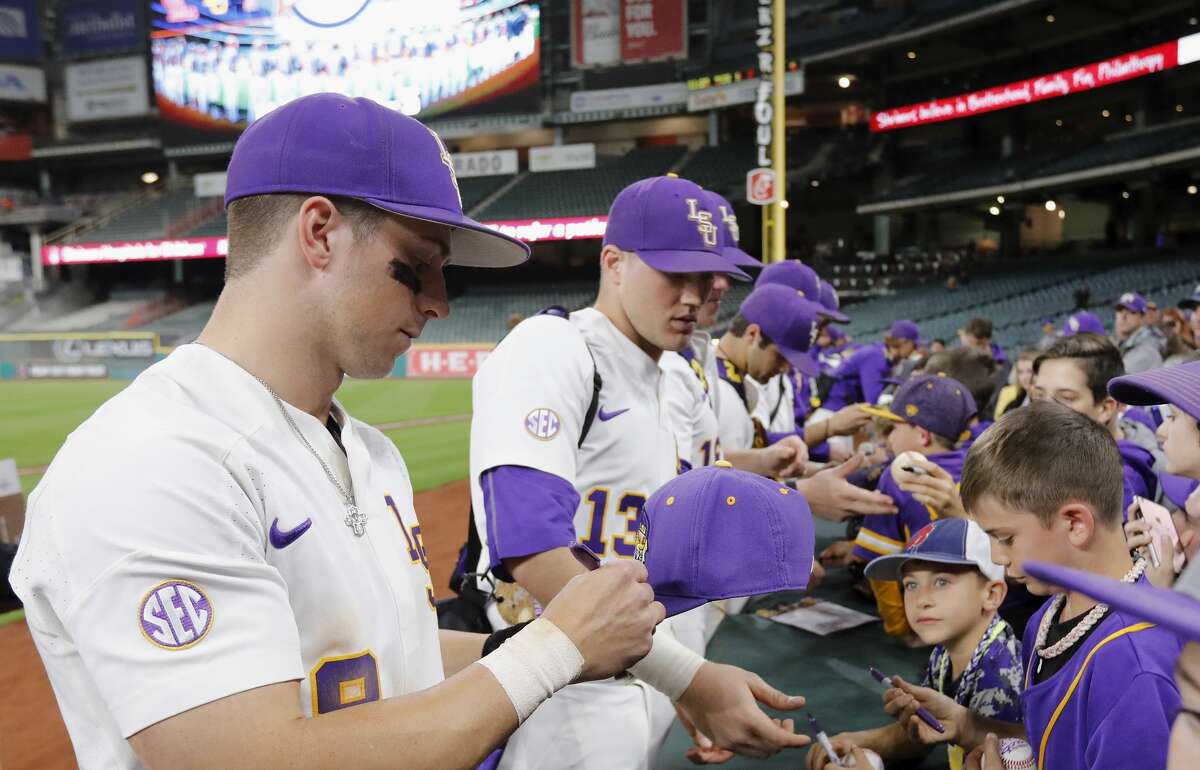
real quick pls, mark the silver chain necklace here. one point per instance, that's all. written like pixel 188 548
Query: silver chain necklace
pixel 1081 628
pixel 355 519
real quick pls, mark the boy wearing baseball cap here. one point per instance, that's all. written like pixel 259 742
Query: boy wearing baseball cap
pixel 1044 482
pixel 929 416
pixel 861 377
pixel 952 592
pixel 1140 341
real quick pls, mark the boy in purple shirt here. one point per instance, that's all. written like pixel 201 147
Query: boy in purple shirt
pixel 952 591
pixel 862 376
pixel 1045 484
pixel 929 415
pixel 1075 372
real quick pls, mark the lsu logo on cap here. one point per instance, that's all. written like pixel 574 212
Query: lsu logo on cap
pixel 703 220
pixel 175 615
pixel 641 540
pixel 542 424
pixel 1073 322
pixel 731 223
pixel 447 161
pixel 911 410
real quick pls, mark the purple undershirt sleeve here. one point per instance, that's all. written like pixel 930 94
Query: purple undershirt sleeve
pixel 872 374
pixel 528 512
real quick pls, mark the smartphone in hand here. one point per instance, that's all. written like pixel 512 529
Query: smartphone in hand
pixel 1161 524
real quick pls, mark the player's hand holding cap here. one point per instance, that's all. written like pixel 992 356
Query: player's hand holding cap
pixel 329 144
pixel 717 533
pixel 788 319
pixel 667 221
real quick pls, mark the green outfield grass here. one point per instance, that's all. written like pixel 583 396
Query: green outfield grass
pixel 36 417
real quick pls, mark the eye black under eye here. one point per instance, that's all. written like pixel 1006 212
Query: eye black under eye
pixel 405 275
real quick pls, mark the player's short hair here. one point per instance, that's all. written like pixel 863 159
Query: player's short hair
pixel 1041 457
pixel 1095 355
pixel 739 325
pixel 971 367
pixel 979 328
pixel 256 221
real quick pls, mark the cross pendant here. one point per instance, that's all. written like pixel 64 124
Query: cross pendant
pixel 356 520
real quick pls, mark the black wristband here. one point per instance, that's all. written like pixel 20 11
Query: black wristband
pixel 500 637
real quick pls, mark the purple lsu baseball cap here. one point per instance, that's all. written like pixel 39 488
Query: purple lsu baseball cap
pixel 1083 322
pixel 718 533
pixel 789 320
pixel 729 232
pixel 329 144
pixel 1176 609
pixel 1131 301
pixel 905 330
pixel 829 300
pixel 945 541
pixel 1178 386
pixel 666 220
pixel 937 403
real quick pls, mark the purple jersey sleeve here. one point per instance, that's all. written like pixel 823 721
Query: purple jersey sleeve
pixel 888 533
pixel 528 511
pixel 872 372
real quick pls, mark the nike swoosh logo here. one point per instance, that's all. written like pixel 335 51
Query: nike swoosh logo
pixel 606 416
pixel 282 538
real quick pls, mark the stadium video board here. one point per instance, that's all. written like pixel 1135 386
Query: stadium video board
pixel 221 64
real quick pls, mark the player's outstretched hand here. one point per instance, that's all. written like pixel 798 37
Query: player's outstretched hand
pixel 903 700
pixel 847 420
pixel 610 615
pixel 703 751
pixel 986 755
pixel 832 497
pixel 786 458
pixel 935 488
pixel 722 703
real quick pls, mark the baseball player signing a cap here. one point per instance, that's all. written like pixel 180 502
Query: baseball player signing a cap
pixel 221 568
pixel 569 438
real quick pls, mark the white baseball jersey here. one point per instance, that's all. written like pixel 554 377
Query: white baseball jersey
pixel 776 404
pixel 185 546
pixel 737 400
pixel 531 397
pixel 690 388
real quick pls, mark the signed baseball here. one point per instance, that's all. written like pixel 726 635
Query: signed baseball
pixel 1016 753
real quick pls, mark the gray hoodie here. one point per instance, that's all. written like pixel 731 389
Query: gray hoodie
pixel 1142 350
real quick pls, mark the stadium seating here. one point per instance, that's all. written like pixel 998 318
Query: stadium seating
pixel 154 219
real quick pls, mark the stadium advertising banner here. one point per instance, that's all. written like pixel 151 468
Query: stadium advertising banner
pixel 596 33
pixel 103 89
pixel 490 163
pixel 562 157
pixel 442 361
pixel 97 27
pixel 552 228
pixel 1125 67
pixel 653 29
pixel 77 355
pixel 22 84
pixel 20 39
pixel 221 64
pixel 134 251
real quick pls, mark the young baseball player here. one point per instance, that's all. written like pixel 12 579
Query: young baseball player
pixel 861 377
pixel 221 568
pixel 929 415
pixel 1045 483
pixel 952 592
pixel 569 437
pixel 1075 372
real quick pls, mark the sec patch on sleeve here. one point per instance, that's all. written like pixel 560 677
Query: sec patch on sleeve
pixel 175 615
pixel 542 424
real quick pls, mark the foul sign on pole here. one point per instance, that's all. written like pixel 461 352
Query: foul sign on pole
pixel 766 185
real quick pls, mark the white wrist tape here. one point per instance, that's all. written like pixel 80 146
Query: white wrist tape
pixel 533 664
pixel 670 666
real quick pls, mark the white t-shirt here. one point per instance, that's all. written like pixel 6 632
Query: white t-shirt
pixel 776 407
pixel 185 546
pixel 690 387
pixel 736 427
pixel 531 396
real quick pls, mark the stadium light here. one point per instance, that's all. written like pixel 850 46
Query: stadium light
pixel 1128 118
pixel 1051 205
pixel 1062 213
pixel 1179 108
pixel 1105 113
pixel 1050 18
pixel 844 81
pixel 783 204
pixel 1191 189
pixel 1125 194
pixel 999 199
pixel 149 177
pixel 1059 123
pixel 1193 21
pixel 994 211
pixel 815 183
pixel 912 55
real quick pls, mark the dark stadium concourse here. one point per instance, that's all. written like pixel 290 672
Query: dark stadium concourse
pixel 986 214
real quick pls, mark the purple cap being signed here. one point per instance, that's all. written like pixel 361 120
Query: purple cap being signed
pixel 939 404
pixel 718 533
pixel 728 231
pixel 1177 609
pixel 789 320
pixel 1178 386
pixel 666 220
pixel 328 144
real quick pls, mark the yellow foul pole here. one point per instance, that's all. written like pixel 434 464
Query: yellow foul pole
pixel 778 250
